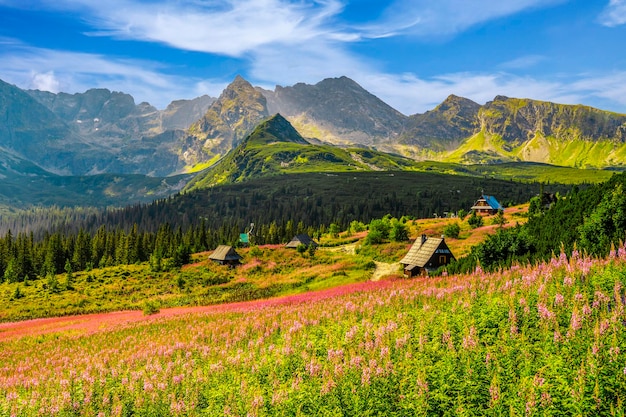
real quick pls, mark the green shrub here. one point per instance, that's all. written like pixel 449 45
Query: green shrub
pixel 475 221
pixel 150 307
pixel 452 230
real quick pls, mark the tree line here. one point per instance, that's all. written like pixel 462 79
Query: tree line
pixel 591 220
pixel 167 230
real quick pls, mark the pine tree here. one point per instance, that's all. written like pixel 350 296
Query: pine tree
pixel 69 276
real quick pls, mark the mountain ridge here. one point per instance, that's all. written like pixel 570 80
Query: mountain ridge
pixel 104 132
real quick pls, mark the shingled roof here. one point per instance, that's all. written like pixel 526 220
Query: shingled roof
pixel 420 253
pixel 300 240
pixel 224 253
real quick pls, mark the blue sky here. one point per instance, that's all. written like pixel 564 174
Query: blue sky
pixel 410 53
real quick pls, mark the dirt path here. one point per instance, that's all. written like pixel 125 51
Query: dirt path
pixel 350 249
pixel 384 269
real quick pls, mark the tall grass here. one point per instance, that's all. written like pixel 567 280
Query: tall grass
pixel 530 341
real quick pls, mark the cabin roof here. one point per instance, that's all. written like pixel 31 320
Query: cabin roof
pixel 420 253
pixel 303 239
pixel 224 253
pixel 490 200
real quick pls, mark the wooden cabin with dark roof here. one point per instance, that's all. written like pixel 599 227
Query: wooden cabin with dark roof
pixel 426 255
pixel 225 255
pixel 301 240
pixel 487 204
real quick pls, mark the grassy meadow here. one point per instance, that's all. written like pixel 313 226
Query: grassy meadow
pixel 267 271
pixel 530 341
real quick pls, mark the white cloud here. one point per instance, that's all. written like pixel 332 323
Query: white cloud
pixel 611 87
pixel 411 94
pixel 45 82
pixel 227 27
pixel 614 14
pixel 71 72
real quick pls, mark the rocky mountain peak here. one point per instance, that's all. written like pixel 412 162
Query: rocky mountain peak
pixel 234 114
pixel 445 126
pixel 337 108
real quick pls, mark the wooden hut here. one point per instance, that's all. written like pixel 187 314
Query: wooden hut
pixel 225 255
pixel 487 204
pixel 426 255
pixel 301 240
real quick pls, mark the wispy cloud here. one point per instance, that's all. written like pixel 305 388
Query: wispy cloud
pixel 523 62
pixel 227 27
pixel 614 14
pixel 606 86
pixel 426 18
pixel 411 94
pixel 53 70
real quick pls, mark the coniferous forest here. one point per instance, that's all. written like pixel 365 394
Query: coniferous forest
pixel 590 220
pixel 52 241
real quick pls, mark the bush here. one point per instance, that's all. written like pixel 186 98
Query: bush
pixel 499 219
pixel 475 221
pixel 399 232
pixel 452 230
pixel 150 308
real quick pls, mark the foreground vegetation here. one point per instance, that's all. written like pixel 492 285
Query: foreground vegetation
pixel 544 340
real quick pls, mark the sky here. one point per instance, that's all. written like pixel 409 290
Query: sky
pixel 411 54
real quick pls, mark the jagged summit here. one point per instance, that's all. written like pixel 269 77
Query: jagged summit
pixel 228 120
pixel 336 110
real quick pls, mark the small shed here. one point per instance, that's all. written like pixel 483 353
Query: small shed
pixel 487 204
pixel 301 240
pixel 426 255
pixel 225 255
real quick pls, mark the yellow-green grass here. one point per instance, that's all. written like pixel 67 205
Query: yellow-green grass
pixel 265 272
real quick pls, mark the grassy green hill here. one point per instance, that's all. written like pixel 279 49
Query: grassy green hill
pixel 275 147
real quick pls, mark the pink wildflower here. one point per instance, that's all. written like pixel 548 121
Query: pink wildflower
pixel 544 312
pixel 494 393
pixel 365 376
pixel 576 321
pixel 558 299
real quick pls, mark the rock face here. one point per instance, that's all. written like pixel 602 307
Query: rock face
pixel 336 110
pixel 105 132
pixel 180 114
pixel 444 127
pixel 228 120
pixel 520 120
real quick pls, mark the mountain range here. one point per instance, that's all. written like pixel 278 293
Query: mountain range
pixel 102 132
